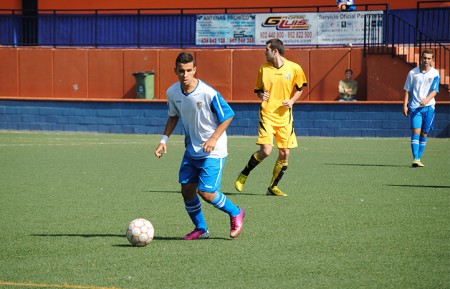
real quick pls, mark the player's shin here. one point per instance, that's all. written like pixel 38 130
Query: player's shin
pixel 252 163
pixel 194 209
pixel 222 203
pixel 278 172
pixel 422 145
pixel 415 145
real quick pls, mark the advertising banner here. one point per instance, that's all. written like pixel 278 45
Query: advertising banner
pixel 325 28
pixel 225 29
pixel 346 27
pixel 296 29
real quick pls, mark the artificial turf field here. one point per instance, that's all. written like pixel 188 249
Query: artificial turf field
pixel 357 215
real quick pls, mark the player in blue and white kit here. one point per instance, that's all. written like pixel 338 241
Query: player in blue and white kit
pixel 205 116
pixel 346 5
pixel 421 87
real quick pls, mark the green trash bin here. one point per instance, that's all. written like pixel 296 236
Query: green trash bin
pixel 145 84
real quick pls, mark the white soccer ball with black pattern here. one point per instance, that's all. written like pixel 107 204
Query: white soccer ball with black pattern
pixel 140 232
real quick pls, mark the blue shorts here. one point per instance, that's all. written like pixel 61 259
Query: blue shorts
pixel 207 172
pixel 423 118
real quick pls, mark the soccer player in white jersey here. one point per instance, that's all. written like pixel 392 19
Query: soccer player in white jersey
pixel 205 116
pixel 421 87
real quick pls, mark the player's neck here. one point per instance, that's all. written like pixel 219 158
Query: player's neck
pixel 190 87
pixel 425 68
pixel 278 61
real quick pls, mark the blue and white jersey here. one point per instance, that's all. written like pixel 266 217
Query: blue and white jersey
pixel 201 111
pixel 350 4
pixel 419 84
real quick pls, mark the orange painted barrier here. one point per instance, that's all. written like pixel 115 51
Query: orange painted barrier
pixel 107 74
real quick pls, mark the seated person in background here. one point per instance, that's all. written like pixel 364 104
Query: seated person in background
pixel 348 88
pixel 344 5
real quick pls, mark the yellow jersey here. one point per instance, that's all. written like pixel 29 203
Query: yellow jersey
pixel 280 83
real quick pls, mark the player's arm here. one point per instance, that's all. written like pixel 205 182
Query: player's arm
pixel 210 144
pixel 170 126
pixel 225 115
pixel 433 93
pixel 429 97
pixel 290 102
pixel 263 95
pixel 405 103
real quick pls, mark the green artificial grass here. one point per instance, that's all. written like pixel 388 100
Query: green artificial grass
pixel 357 215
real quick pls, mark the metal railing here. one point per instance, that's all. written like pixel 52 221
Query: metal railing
pixel 123 27
pixel 404 41
pixel 434 20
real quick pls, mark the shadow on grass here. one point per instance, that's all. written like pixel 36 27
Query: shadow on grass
pixel 79 235
pixel 120 236
pixel 244 194
pixel 421 186
pixel 367 165
pixel 175 239
pixel 164 192
pixel 225 193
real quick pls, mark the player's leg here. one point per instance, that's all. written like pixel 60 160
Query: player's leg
pixel 209 189
pixel 286 139
pixel 427 125
pixel 265 142
pixel 188 177
pixel 416 124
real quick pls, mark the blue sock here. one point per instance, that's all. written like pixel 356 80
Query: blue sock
pixel 194 209
pixel 222 203
pixel 422 145
pixel 415 146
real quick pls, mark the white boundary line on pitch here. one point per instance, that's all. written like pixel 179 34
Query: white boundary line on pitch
pixel 68 144
pixel 78 144
pixel 65 285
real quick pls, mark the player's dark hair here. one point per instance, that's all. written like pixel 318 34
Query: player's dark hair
pixel 349 70
pixel 428 51
pixel 276 44
pixel 184 57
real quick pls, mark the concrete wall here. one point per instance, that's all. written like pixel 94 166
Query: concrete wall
pixel 362 119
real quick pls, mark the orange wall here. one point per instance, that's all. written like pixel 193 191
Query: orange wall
pixel 11 4
pixel 99 4
pixel 107 73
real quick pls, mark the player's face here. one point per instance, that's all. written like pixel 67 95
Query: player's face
pixel 426 58
pixel 270 54
pixel 185 73
pixel 348 75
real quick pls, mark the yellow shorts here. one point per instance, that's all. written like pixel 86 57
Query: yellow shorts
pixel 284 135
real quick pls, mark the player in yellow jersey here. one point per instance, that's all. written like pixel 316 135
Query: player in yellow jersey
pixel 279 85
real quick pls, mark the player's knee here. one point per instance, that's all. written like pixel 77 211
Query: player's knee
pixel 207 196
pixel 264 152
pixel 284 154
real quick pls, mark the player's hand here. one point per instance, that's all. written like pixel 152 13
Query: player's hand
pixel 264 95
pixel 287 103
pixel 424 102
pixel 405 110
pixel 160 150
pixel 209 145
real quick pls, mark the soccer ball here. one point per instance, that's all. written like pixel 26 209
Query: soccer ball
pixel 140 232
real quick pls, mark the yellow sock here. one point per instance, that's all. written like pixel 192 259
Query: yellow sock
pixel 278 172
pixel 252 163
